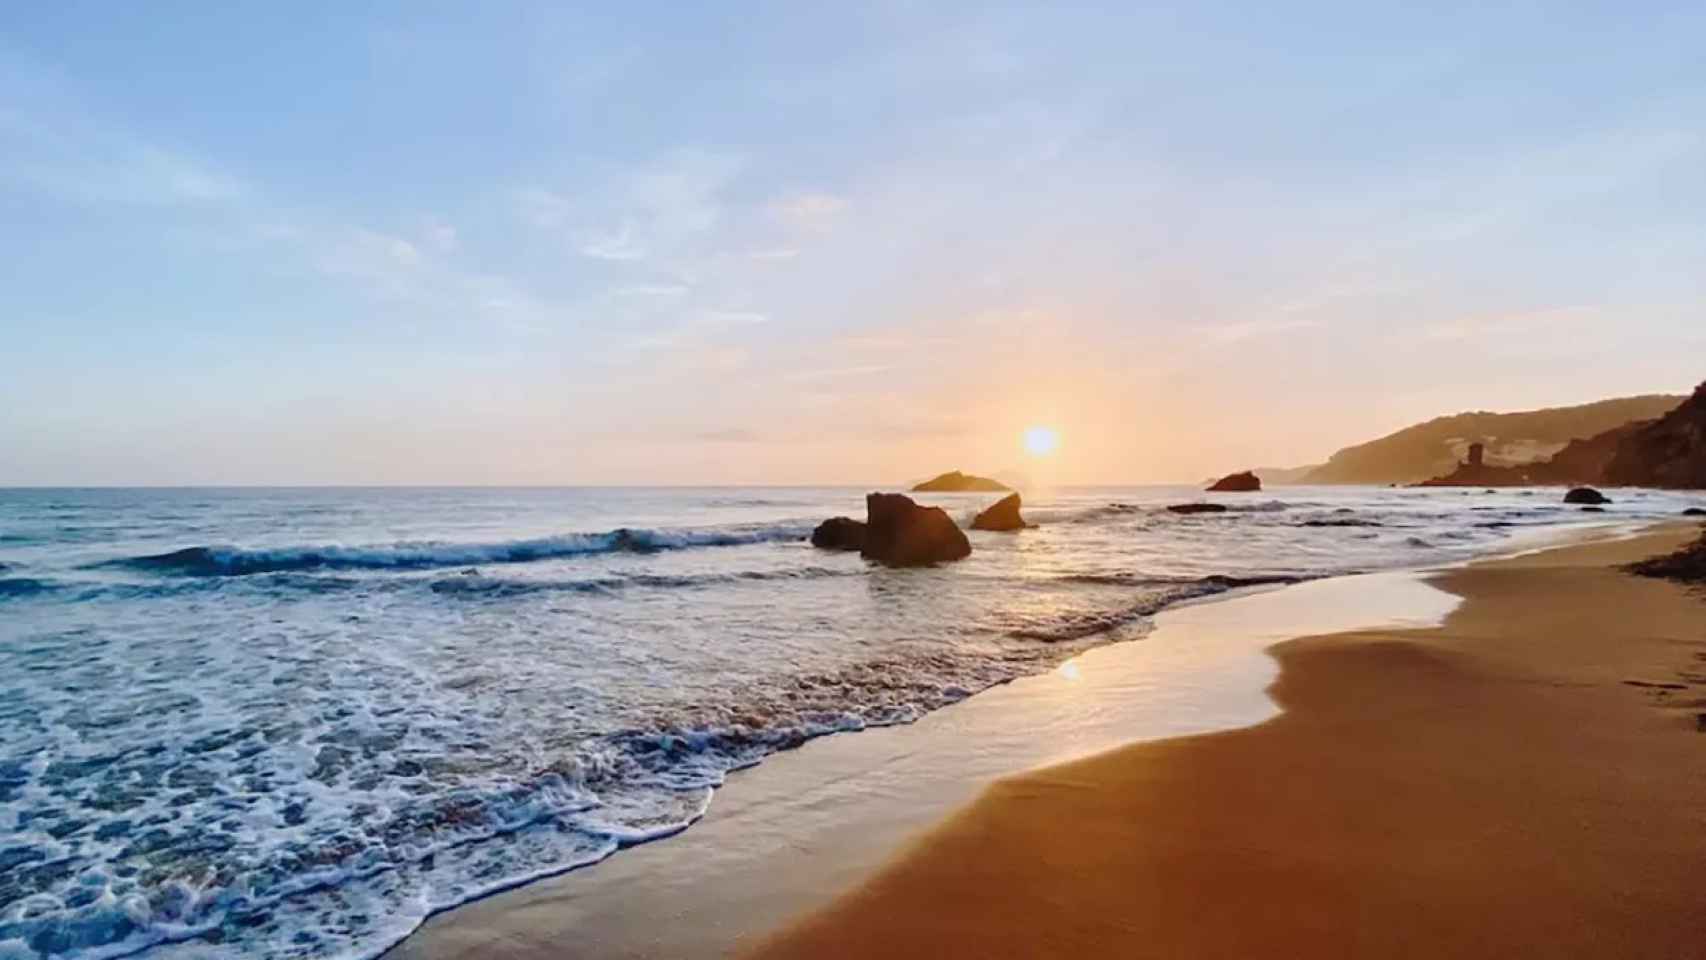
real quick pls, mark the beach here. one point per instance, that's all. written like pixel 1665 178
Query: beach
pixel 1521 780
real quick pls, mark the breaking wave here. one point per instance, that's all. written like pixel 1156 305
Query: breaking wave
pixel 225 561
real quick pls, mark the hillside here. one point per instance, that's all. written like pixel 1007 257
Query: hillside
pixel 1668 453
pixel 1435 448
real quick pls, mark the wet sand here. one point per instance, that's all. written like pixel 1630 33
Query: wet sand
pixel 1527 779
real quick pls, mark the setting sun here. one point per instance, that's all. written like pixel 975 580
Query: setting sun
pixel 1041 441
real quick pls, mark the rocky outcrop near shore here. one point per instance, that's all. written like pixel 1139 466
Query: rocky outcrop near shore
pixel 900 533
pixel 1002 516
pixel 956 482
pixel 1189 508
pixel 839 533
pixel 1587 495
pixel 1245 482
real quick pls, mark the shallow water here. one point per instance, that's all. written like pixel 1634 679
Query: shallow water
pixel 286 723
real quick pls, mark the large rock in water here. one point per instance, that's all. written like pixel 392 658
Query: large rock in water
pixel 956 482
pixel 1246 482
pixel 1669 452
pixel 900 533
pixel 839 533
pixel 1586 495
pixel 1004 516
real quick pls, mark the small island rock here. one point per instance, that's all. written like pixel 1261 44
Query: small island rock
pixel 1586 495
pixel 839 533
pixel 956 482
pixel 1246 482
pixel 1695 512
pixel 1004 516
pixel 900 533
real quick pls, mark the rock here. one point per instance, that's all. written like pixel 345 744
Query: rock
pixel 1593 509
pixel 1668 452
pixel 839 533
pixel 900 533
pixel 1586 495
pixel 1245 482
pixel 1198 508
pixel 956 482
pixel 1477 454
pixel 1694 512
pixel 1004 515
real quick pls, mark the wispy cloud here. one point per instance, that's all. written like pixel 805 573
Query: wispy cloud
pixel 837 373
pixel 1521 324
pixel 809 210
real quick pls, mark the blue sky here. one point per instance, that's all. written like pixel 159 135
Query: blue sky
pixel 423 243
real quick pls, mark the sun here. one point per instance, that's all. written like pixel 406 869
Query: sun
pixel 1041 441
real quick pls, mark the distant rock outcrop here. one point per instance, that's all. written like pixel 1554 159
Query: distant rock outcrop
pixel 1198 508
pixel 1670 452
pixel 1694 512
pixel 1002 516
pixel 1586 495
pixel 1434 448
pixel 956 482
pixel 839 533
pixel 1246 482
pixel 900 533
pixel 1581 461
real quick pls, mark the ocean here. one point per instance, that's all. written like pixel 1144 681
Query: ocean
pixel 288 723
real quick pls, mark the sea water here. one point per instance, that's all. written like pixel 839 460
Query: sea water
pixel 295 723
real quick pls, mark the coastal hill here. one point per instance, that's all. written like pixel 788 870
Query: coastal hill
pixel 1668 453
pixel 956 482
pixel 1435 448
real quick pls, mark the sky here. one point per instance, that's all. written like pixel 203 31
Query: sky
pixel 798 243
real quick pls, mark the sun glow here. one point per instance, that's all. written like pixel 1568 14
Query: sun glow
pixel 1041 441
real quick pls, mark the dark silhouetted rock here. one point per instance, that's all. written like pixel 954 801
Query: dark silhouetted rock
pixel 839 533
pixel 1004 515
pixel 1245 482
pixel 1198 508
pixel 957 482
pixel 1586 495
pixel 1687 564
pixel 1669 452
pixel 1593 509
pixel 900 533
pixel 1694 512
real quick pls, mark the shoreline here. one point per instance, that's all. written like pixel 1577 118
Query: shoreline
pixel 1517 780
pixel 761 855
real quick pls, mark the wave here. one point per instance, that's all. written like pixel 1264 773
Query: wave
pixel 226 561
pixel 475 584
pixel 1077 626
pixel 22 586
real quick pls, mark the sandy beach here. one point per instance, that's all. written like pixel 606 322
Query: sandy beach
pixel 1520 781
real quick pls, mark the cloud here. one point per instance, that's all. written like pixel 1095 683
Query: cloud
pixel 440 235
pixel 728 435
pixel 618 245
pixel 540 207
pixel 808 210
pixel 723 319
pixel 655 209
pixel 1522 324
pixel 837 373
pixel 657 290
